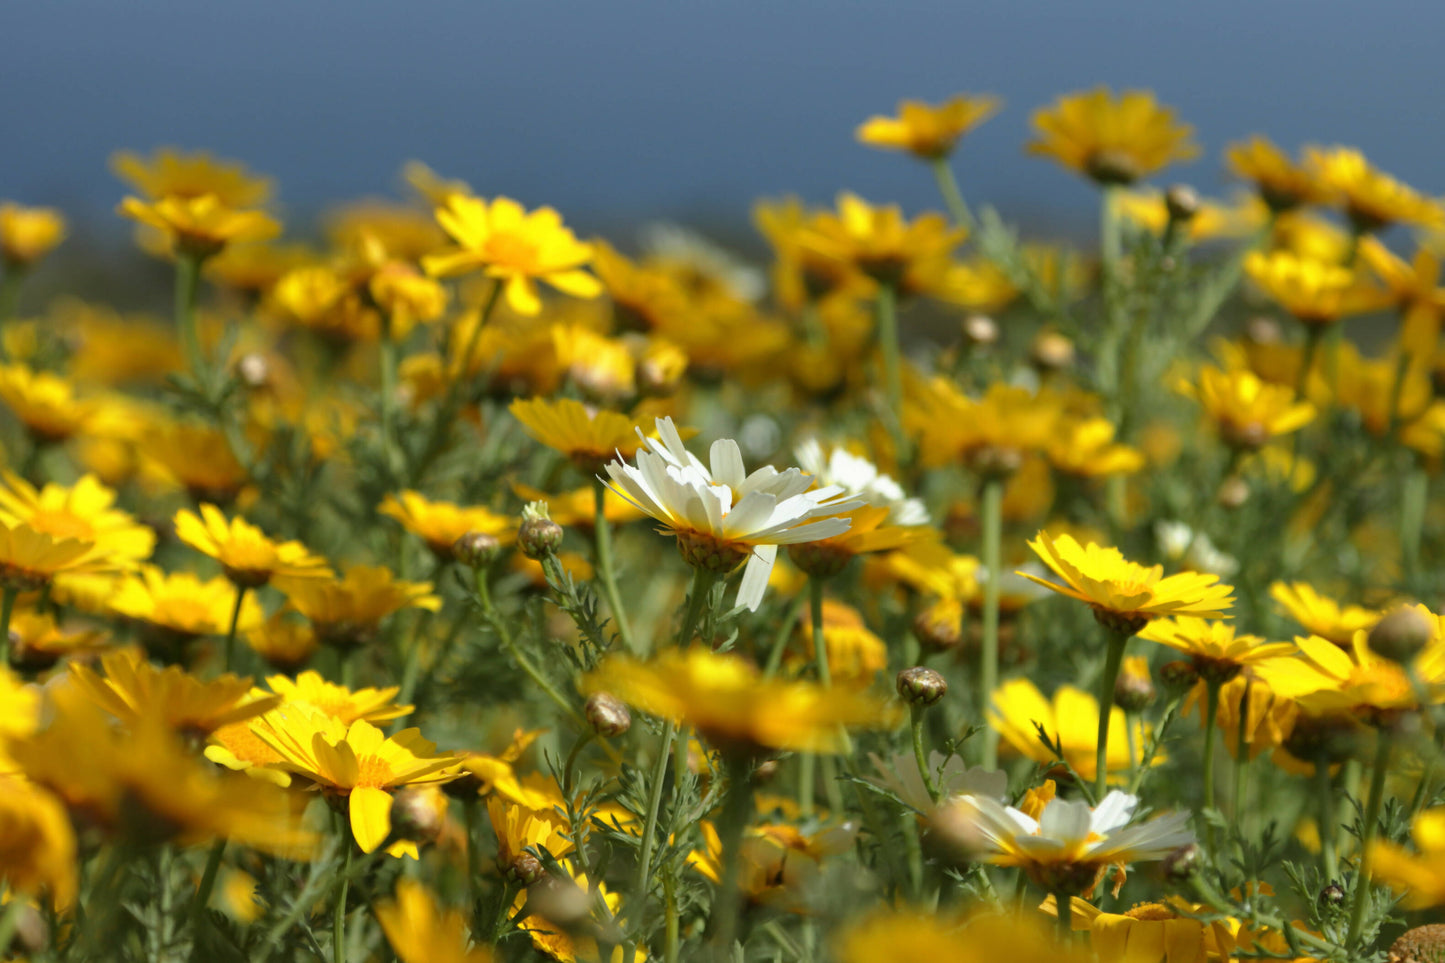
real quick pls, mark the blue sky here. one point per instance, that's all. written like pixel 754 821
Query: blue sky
pixel 618 112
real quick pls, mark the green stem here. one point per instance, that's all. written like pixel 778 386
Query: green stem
pixel 7 608
pixel 992 511
pixel 697 596
pixel 1211 715
pixel 1064 913
pixel 1111 254
pixel 469 824
pixel 737 806
pixel 569 770
pixel 387 358
pixel 606 568
pixel 886 313
pixel 338 921
pixel 952 196
pixel 1241 756
pixel 1414 496
pixel 1329 860
pixel 915 713
pixel 10 921
pixel 1383 741
pixel 9 299
pixel 672 926
pixel 504 635
pixel 820 647
pixel 230 649
pixel 780 638
pixel 208 883
pixel 649 826
pixel 188 276
pixel 1117 642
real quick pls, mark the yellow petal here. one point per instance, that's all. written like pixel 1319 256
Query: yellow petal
pixel 370 817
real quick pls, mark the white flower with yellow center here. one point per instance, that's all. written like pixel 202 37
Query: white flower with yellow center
pixel 860 477
pixel 1068 847
pixel 720 514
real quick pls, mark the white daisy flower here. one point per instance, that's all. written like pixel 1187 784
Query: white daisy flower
pixel 722 515
pixel 1070 845
pixel 860 477
pixel 952 778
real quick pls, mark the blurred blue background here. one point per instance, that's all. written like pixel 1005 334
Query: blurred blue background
pixel 619 112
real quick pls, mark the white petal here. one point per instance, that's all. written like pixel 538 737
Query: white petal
pixel 755 577
pixel 1113 811
pixel 748 515
pixel 727 463
pixel 1065 819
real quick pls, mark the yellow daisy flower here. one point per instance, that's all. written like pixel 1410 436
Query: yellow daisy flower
pixel 84 511
pixel 1246 411
pixel 1326 679
pixel 200 226
pixel 855 655
pixel 1321 615
pixel 192 456
pixel 348 610
pixel 182 604
pixel 247 556
pixel 27 234
pixel 30 559
pixel 339 702
pixel 37 846
pixel 1420 877
pixel 419 931
pixel 1314 292
pixel 589 437
pixel 991 435
pixel 285 643
pixel 1282 184
pixel 132 688
pixel 1171 930
pixel 879 243
pixel 1125 595
pixel 1372 199
pixel 172 173
pixel 356 762
pixel 47 404
pixel 927 131
pixel 726 699
pixel 918 934
pixel 1071 721
pixel 37 642
pixel 1210 221
pixel 1085 448
pixel 515 247
pixel 1216 651
pixel 1112 140
pixel 440 524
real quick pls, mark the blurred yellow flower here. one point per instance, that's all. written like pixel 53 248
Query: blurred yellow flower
pixel 990 435
pixel 879 243
pixel 588 437
pixel 1321 615
pixel 195 457
pixel 1419 877
pixel 341 703
pixel 1314 292
pixel 925 130
pixel 1246 411
pixel 132 689
pixel 440 524
pixel 30 559
pixel 285 643
pixel 1214 648
pixel 247 556
pixel 1112 139
pixel 47 404
pixel 898 935
pixel 37 844
pixel 182 603
pixel 419 931
pixel 1153 932
pixel 1211 220
pixel 1371 199
pixel 515 247
pixel 1125 595
pixel 726 699
pixel 855 655
pixel 1085 448
pixel 173 173
pixel 1282 184
pixel 347 611
pixel 27 234
pixel 1018 710
pixel 37 642
pixel 1327 679
pixel 84 511
pixel 200 226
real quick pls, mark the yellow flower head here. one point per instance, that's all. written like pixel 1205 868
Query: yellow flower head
pixel 991 435
pixel 1085 447
pixel 285 643
pixel 27 234
pixel 1211 220
pixel 1112 140
pixel 1321 615
pixel 855 655
pixel 927 131
pixel 193 456
pixel 200 226
pixel 518 826
pixel 1125 595
pixel 419 931
pixel 645 297
pixel 729 703
pixel 1217 652
pixel 602 368
pixel 1247 411
pixel 440 524
pixel 1282 184
pixel 1169 930
pixel 1247 700
pixel 577 508
pixel 1314 292
pixel 254 269
pixel 339 702
pixel 1326 679
pixel 183 604
pixel 1372 199
pixel 1071 721
pixel 247 556
pixel 30 559
pixel 878 242
pixel 348 610
pixel 1419 877
pixel 172 173
pixel 37 642
pixel 515 247
pixel 37 843
pixel 407 296
pixel 588 437
pixel 356 761
pixel 404 231
pixel 907 934
pixel 84 511
pixel 132 688
pixel 46 404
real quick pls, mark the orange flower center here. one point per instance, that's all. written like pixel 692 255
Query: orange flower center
pixel 512 250
pixel 374 772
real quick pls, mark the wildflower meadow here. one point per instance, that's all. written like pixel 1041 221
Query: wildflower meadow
pixel 443 585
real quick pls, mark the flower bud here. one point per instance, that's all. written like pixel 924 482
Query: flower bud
pixel 1178 675
pixel 1332 895
pixel 1263 330
pixel 560 902
pixel 539 536
pixel 953 834
pixel 1051 351
pixel 1401 633
pixel 1423 944
pixel 820 559
pixel 980 331
pixel 1110 166
pixel 254 370
pixel 418 814
pixel 476 549
pixel 525 869
pixel 921 686
pixel 1181 864
pixel 607 715
pixel 1133 689
pixel 1233 492
pixel 1182 203
pixel 939 627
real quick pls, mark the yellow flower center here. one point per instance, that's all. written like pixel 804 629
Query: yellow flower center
pixel 374 772
pixel 1151 912
pixel 511 250
pixel 1383 684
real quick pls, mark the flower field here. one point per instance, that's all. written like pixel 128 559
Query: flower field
pixel 453 587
